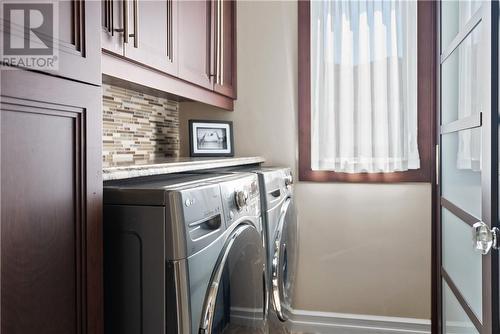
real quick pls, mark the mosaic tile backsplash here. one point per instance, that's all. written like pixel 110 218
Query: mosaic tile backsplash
pixel 138 127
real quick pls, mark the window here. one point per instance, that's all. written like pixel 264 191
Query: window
pixel 366 90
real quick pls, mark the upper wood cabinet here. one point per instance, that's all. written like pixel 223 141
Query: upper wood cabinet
pixel 79 52
pixel 152 30
pixel 194 40
pixel 225 49
pixel 75 39
pixel 207 48
pixel 112 24
pixel 142 31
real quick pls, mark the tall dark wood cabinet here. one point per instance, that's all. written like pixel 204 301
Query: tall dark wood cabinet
pixel 51 186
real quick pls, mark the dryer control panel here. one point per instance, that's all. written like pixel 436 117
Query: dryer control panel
pixel 278 185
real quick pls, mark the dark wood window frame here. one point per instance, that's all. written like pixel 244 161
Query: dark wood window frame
pixel 426 86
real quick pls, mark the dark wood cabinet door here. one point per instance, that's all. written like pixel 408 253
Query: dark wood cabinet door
pixel 51 205
pixel 79 40
pixel 112 26
pixel 153 34
pixel 195 42
pixel 225 79
pixel 75 47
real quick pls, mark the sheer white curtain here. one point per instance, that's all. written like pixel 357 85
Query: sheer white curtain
pixel 364 86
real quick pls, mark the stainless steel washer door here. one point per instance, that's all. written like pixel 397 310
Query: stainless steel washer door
pixel 283 260
pixel 235 300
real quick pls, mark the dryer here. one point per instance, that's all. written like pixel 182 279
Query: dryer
pixel 281 231
pixel 175 251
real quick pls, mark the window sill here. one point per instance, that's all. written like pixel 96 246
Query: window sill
pixel 417 175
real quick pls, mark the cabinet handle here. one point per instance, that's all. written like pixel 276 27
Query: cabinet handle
pixel 106 15
pixel 125 21
pixel 109 7
pixel 219 35
pixel 170 29
pixel 211 44
pixel 135 35
pixel 221 67
pixel 124 17
pixel 112 17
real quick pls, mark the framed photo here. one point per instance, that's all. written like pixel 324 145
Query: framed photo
pixel 211 138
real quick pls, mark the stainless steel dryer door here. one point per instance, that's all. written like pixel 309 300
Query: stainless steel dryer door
pixel 235 300
pixel 283 260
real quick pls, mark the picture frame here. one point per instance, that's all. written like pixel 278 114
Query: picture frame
pixel 209 138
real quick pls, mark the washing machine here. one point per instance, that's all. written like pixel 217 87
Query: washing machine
pixel 184 254
pixel 236 301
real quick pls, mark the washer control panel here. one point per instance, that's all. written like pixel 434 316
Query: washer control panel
pixel 240 197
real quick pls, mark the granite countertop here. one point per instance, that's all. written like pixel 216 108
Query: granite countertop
pixel 126 170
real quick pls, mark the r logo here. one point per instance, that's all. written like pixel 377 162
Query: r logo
pixel 28 29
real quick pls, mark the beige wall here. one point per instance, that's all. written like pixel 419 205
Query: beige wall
pixel 364 248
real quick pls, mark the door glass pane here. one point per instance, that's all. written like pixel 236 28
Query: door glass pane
pixel 455 320
pixel 460 76
pixel 454 15
pixel 462 263
pixel 461 169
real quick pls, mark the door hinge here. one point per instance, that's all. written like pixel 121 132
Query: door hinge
pixel 437 164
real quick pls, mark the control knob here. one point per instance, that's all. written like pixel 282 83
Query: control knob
pixel 241 198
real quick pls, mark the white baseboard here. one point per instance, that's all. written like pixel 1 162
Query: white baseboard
pixel 341 323
pixel 245 316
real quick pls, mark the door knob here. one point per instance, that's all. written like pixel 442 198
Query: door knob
pixel 484 238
